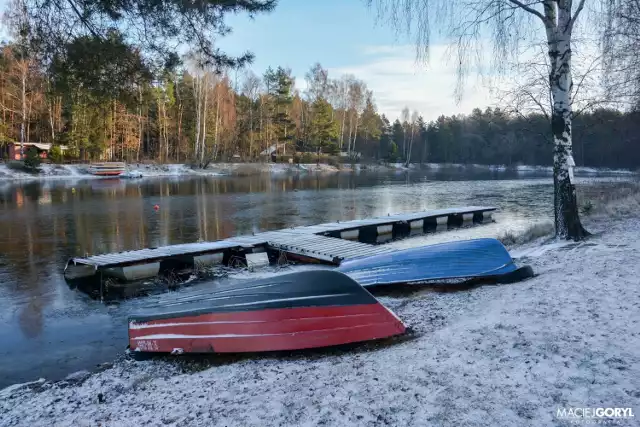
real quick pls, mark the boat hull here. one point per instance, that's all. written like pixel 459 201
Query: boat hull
pixel 290 312
pixel 452 260
pixel 266 330
pixel 107 169
pixel 107 173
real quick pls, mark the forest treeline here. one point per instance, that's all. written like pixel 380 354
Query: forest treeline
pixel 197 116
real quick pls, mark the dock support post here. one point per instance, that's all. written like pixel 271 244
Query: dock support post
pixel 401 230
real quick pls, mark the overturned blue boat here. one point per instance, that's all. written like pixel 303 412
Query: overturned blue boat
pixel 464 259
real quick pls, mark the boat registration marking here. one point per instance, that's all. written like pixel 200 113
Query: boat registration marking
pixel 147 345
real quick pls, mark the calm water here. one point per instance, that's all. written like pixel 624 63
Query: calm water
pixel 50 330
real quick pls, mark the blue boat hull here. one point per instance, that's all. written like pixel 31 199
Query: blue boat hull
pixel 461 259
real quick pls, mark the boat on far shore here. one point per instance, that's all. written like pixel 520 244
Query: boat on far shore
pixel 107 168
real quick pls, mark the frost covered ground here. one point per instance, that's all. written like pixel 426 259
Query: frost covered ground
pixel 140 170
pixel 507 355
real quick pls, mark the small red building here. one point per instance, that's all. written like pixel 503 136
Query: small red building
pixel 43 150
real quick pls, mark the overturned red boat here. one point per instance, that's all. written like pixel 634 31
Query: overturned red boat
pixel 294 311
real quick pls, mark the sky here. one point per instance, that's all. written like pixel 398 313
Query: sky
pixel 344 37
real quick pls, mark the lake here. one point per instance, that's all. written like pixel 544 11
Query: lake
pixel 49 330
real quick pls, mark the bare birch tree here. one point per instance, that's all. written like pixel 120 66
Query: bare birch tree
pixel 356 98
pixel 470 24
pixel 342 91
pixel 404 119
pixel 251 88
pixel 621 44
pixel 413 125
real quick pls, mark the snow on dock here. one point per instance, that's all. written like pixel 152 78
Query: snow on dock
pixel 328 243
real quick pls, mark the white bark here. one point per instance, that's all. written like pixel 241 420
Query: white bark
pixel 23 123
pixel 204 119
pixel 344 118
pixel 197 97
pixel 413 131
pixel 349 138
pixel 139 123
pixel 355 134
pixel 559 25
pixel 52 119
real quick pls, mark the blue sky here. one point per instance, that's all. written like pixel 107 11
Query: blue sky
pixel 301 32
pixel 343 36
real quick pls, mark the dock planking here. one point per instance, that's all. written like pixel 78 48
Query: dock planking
pixel 329 243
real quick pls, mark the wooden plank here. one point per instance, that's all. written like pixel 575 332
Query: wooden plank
pixel 307 239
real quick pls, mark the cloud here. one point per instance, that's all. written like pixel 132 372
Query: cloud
pixel 398 80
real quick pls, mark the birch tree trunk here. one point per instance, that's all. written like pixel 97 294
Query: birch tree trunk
pixel 261 116
pixel 204 119
pixel 344 119
pixel 216 92
pixel 197 84
pixel 559 26
pixel 179 147
pixel 23 123
pixel 413 128
pixel 113 131
pixel 349 138
pixel 250 127
pixel 140 133
pixel 355 135
pixel 52 109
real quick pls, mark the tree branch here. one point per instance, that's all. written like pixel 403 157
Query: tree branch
pixel 575 15
pixel 538 103
pixel 83 20
pixel 529 9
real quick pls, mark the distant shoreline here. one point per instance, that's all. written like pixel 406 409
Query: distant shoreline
pixel 141 170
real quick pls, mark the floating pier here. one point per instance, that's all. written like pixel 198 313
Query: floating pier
pixel 329 243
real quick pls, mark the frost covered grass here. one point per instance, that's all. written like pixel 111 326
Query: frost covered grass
pixel 507 355
pixel 619 201
pixel 531 233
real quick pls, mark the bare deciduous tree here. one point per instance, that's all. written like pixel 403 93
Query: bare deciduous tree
pixel 621 44
pixel 471 25
pixel 251 88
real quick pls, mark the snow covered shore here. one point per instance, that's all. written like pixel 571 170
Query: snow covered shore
pixel 139 170
pixel 507 355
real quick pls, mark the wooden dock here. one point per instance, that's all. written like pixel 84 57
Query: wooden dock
pixel 326 243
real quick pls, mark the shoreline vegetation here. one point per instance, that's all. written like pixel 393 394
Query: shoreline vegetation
pixel 516 351
pixel 14 171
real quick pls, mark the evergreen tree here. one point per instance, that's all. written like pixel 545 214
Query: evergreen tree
pixel 384 146
pixel 324 130
pixel 370 128
pixel 284 128
pixel 398 135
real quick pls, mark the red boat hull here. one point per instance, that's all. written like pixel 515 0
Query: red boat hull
pixel 265 330
pixel 293 311
pixel 112 173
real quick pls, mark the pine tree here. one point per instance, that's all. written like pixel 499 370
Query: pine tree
pixel 370 127
pixel 284 128
pixel 385 138
pixel 397 135
pixel 324 130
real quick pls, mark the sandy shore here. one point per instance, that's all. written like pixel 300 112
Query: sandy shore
pixel 508 355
